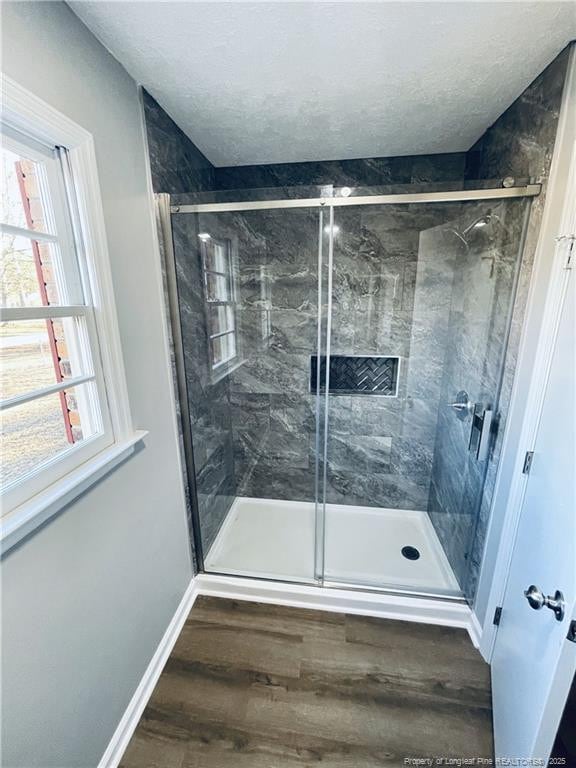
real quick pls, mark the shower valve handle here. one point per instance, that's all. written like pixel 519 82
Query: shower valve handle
pixel 462 406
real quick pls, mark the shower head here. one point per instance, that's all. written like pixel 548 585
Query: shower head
pixel 479 223
pixel 482 221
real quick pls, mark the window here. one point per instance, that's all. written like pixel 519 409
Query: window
pixel 64 413
pixel 220 292
pixel 50 399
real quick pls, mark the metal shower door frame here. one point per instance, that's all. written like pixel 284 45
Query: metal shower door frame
pixel 326 206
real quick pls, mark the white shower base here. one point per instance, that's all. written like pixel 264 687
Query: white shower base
pixel 273 539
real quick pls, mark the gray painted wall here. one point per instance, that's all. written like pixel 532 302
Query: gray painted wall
pixel 88 597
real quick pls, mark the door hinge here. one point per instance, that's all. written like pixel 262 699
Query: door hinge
pixel 572 632
pixel 497 616
pixel 527 462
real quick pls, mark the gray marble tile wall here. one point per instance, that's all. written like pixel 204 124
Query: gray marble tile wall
pixel 396 270
pixel 480 269
pixel 272 409
pixel 177 166
pixel 375 456
pixel 209 398
pixel 520 144
pixel 368 172
pixel 388 299
pixel 254 430
pixel 399 288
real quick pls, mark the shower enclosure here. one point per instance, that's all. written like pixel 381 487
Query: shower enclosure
pixel 341 354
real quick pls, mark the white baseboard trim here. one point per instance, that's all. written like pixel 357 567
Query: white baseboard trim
pixel 379 604
pixel 387 606
pixel 127 725
pixel 475 632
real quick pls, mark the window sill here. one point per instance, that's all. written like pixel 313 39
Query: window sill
pixel 24 519
pixel 221 373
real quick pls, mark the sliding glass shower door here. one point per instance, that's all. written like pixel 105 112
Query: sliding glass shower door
pixel 248 284
pixel 421 303
pixel 344 360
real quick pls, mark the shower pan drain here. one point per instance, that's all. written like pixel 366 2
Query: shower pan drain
pixel 410 553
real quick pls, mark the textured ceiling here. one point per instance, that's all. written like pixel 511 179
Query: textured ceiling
pixel 272 82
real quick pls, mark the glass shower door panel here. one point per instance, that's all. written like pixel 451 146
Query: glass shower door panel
pixel 478 368
pixel 248 290
pixel 421 303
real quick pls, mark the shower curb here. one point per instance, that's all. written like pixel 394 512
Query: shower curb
pixel 449 613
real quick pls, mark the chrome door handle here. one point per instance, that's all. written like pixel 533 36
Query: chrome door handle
pixel 481 433
pixel 537 600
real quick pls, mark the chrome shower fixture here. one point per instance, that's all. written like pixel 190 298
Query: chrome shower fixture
pixel 482 221
pixel 479 223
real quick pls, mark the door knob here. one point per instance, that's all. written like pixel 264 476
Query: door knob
pixel 537 599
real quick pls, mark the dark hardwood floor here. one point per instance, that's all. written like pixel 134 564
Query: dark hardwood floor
pixel 259 686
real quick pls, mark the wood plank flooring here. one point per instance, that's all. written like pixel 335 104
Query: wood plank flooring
pixel 260 686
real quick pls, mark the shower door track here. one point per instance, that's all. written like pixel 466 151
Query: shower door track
pixel 398 592
pixel 370 589
pixel 402 198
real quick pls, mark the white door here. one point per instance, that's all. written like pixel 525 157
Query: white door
pixel 534 662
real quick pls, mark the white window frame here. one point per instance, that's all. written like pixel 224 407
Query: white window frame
pixel 62 463
pixel 37 498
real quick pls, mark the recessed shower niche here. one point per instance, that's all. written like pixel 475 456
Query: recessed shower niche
pixel 326 442
pixel 355 375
